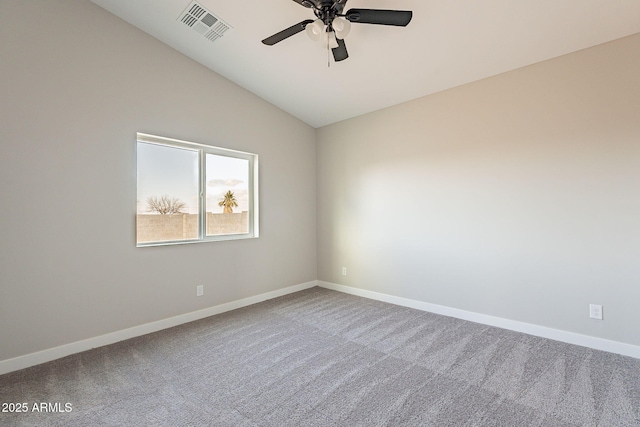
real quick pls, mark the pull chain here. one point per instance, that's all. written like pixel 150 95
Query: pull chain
pixel 328 52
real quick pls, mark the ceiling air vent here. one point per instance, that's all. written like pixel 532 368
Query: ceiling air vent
pixel 204 22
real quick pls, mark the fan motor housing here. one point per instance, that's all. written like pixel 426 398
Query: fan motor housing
pixel 327 10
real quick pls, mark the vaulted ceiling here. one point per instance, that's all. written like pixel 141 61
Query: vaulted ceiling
pixel 447 44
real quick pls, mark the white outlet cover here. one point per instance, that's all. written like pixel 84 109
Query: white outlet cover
pixel 595 311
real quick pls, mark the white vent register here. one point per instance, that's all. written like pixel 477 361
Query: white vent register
pixel 204 22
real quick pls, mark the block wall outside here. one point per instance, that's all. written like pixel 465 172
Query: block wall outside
pixel 157 228
pixel 221 223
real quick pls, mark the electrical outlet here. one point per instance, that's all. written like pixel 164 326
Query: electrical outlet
pixel 344 271
pixel 595 311
pixel 199 290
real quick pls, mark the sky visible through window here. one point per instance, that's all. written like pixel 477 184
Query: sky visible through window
pixel 173 171
pixel 227 174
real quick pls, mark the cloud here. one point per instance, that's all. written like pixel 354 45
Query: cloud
pixel 224 182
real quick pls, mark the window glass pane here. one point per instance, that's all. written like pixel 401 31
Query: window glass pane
pixel 190 192
pixel 227 195
pixel 168 193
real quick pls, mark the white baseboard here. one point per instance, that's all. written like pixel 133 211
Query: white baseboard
pixel 32 359
pixel 513 325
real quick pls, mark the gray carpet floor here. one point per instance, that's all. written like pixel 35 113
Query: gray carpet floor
pixel 323 358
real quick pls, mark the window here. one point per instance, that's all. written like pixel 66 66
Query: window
pixel 190 192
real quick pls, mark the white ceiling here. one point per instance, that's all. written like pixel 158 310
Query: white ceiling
pixel 447 44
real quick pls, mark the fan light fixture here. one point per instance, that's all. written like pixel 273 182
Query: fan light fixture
pixel 315 29
pixel 331 40
pixel 341 27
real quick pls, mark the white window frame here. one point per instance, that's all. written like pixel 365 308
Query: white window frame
pixel 203 150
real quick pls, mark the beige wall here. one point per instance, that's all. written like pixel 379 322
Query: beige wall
pixel 517 196
pixel 76 84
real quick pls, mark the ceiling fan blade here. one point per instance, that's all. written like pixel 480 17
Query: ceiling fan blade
pixel 340 52
pixel 400 18
pixel 305 3
pixel 338 5
pixel 284 34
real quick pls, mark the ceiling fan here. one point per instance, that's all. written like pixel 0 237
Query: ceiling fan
pixel 332 25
